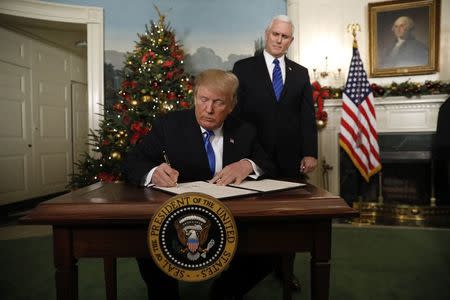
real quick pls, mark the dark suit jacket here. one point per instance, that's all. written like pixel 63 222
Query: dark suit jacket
pixel 179 134
pixel 287 129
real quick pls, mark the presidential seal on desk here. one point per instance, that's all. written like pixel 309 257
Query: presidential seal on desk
pixel 192 237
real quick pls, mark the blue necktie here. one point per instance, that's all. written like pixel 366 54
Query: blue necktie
pixel 210 151
pixel 277 79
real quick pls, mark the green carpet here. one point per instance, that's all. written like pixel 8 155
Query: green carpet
pixel 367 263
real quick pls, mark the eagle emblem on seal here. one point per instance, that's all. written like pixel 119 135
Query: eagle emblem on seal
pixel 192 232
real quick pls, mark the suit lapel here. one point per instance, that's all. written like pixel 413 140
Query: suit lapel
pixel 229 144
pixel 264 75
pixel 195 138
pixel 289 77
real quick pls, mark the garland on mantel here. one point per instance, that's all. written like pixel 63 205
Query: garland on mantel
pixel 406 89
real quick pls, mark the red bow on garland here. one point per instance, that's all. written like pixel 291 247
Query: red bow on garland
pixel 319 94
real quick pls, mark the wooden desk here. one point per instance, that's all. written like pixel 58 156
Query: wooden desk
pixel 110 220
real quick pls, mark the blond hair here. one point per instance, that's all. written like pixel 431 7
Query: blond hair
pixel 218 80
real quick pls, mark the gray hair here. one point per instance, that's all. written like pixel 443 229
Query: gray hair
pixel 282 18
pixel 407 21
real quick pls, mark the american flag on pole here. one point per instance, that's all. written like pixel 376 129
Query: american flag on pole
pixel 358 135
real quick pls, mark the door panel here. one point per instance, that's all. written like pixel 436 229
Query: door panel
pixel 52 118
pixel 14 48
pixel 79 120
pixel 15 133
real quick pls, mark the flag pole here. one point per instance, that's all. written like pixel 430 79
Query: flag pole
pixel 353 28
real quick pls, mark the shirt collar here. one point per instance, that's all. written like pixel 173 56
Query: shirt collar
pixel 217 132
pixel 269 58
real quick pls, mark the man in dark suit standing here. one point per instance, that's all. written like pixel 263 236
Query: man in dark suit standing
pixel 279 105
pixel 204 143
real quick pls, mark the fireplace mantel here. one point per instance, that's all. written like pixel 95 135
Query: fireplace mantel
pixel 394 114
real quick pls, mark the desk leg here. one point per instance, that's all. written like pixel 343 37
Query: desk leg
pixel 287 271
pixel 66 274
pixel 110 269
pixel 320 261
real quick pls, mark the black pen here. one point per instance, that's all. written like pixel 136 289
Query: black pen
pixel 166 158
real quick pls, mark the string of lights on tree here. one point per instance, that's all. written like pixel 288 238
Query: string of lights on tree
pixel 155 83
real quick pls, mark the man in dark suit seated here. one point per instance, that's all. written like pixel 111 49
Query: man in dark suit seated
pixel 204 143
pixel 275 95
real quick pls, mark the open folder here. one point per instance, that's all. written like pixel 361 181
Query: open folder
pixel 248 187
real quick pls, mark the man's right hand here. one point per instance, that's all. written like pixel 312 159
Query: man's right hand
pixel 165 176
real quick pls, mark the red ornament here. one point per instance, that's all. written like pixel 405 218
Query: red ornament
pixel 171 96
pixel 134 138
pixel 184 104
pixel 144 130
pixel 126 120
pixel 136 126
pixel 106 177
pixel 167 64
pixel 118 107
pixel 147 55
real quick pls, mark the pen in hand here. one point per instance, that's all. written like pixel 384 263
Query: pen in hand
pixel 166 158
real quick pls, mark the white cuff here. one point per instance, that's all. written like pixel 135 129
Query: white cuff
pixel 256 170
pixel 148 178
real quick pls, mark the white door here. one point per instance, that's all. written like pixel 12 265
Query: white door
pixel 51 110
pixel 15 116
pixel 15 133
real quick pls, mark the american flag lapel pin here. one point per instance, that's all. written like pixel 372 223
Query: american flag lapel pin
pixel 231 140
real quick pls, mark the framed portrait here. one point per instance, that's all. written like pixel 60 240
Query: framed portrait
pixel 404 37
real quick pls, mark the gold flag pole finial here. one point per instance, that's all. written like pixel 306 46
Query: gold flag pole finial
pixel 353 28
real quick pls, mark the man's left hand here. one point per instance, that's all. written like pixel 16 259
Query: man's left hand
pixel 308 164
pixel 233 173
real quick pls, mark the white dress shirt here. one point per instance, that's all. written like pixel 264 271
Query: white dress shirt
pixel 217 145
pixel 270 65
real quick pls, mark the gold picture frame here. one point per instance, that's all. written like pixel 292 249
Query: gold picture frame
pixel 404 37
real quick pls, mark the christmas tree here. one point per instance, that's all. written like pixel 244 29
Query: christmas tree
pixel 155 83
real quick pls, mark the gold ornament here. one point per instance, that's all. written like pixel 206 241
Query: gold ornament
pixel 116 155
pixel 134 102
pixel 160 61
pixel 321 124
pixel 146 98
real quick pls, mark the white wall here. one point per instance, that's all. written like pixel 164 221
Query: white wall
pixel 321 30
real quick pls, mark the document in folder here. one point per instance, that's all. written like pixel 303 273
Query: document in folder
pixel 267 185
pixel 230 191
